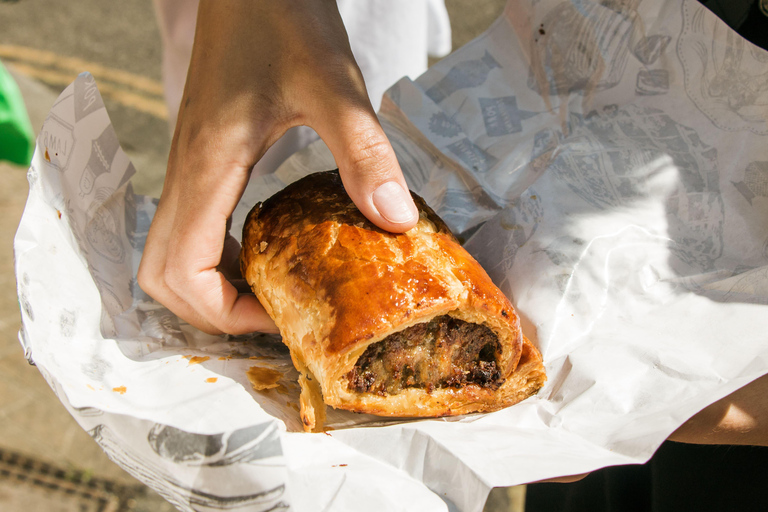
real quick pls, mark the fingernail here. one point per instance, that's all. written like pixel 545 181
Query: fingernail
pixel 394 203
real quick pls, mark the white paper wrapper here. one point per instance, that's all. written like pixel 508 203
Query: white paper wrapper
pixel 608 166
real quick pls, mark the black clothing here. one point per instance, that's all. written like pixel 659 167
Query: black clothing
pixel 679 478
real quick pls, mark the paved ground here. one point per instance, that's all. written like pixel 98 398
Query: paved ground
pixel 46 461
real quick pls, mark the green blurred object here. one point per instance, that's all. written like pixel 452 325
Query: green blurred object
pixel 17 140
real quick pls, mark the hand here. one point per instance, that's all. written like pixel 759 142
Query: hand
pixel 258 68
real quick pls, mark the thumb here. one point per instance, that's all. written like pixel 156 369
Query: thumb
pixel 369 169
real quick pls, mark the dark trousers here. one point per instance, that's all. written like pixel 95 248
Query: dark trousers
pixel 679 478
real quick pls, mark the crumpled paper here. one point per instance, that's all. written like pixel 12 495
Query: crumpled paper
pixel 606 162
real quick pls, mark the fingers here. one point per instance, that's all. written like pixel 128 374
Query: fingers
pixel 347 123
pixel 367 163
pixel 370 171
pixel 229 265
pixel 183 255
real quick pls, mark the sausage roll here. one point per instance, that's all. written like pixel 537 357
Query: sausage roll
pixel 401 325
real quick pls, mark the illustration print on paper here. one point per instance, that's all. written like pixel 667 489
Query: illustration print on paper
pixel 605 158
pixel 153 469
pixel 651 81
pixel 501 116
pixel 755 182
pixel 583 45
pixel 464 75
pixel 87 96
pixel 726 77
pixel 103 151
pixel 104 227
pixel 57 138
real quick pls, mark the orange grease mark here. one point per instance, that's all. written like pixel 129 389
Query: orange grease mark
pixel 90 387
pixel 211 379
pixel 197 359
pixel 225 358
pixel 263 378
pixel 120 389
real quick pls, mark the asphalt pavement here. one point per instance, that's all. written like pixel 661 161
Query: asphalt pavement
pixel 47 462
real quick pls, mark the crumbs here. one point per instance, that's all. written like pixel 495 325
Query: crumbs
pixel 120 389
pixel 197 359
pixel 263 378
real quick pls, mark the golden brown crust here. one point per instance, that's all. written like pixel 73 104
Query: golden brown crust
pixel 334 283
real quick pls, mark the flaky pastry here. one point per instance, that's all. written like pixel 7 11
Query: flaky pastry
pixel 401 325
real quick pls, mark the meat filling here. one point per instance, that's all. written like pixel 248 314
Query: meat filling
pixel 445 352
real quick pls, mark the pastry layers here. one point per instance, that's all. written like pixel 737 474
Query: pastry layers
pixel 402 325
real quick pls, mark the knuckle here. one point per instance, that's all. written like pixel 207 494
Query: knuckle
pixel 230 321
pixel 370 153
pixel 223 323
pixel 174 278
pixel 211 329
pixel 228 326
pixel 148 280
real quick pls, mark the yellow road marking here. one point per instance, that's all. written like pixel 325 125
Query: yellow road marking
pixel 129 99
pixel 50 59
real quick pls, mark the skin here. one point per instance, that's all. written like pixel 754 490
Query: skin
pixel 261 67
pixel 258 68
pixel 739 418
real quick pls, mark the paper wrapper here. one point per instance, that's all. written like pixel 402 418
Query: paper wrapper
pixel 606 163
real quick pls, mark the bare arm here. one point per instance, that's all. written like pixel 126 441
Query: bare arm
pixel 739 418
pixel 258 68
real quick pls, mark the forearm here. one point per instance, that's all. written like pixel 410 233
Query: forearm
pixel 739 418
